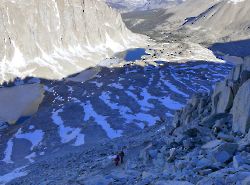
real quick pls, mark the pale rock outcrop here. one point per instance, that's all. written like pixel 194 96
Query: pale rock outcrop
pixel 19 101
pixel 223 97
pixel 195 107
pixel 231 96
pixel 241 109
pixel 225 92
pixel 218 131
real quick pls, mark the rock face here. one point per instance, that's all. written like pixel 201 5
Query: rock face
pixel 241 109
pixel 233 95
pixel 223 97
pixel 53 39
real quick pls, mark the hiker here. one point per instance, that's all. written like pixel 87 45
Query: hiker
pixel 121 154
pixel 117 160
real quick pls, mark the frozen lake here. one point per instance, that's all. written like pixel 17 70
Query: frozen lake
pixel 135 54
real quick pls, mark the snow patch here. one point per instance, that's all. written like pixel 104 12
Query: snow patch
pixel 100 120
pixel 8 152
pixel 30 157
pixel 67 134
pixel 34 137
pixel 172 86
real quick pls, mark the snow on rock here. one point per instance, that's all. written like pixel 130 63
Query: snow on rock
pixel 8 152
pixel 100 120
pixel 145 105
pixel 18 172
pixel 171 104
pixel 67 134
pixel 126 113
pixel 116 85
pixel 34 137
pixel 30 157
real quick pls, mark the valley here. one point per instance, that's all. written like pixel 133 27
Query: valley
pixel 165 81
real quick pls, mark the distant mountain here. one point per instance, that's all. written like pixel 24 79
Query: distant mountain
pixel 207 20
pixel 131 5
pixel 53 39
pixel 222 18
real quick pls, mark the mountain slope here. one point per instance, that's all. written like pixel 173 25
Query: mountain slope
pixel 205 21
pixel 207 143
pixel 132 5
pixel 224 18
pixel 53 39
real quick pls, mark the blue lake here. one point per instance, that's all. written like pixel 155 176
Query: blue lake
pixel 135 54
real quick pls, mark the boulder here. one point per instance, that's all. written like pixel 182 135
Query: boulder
pixel 244 143
pixel 211 120
pixel 204 163
pixel 153 153
pixel 241 109
pixel 237 161
pixel 3 125
pixel 225 137
pixel 160 160
pixel 246 181
pixel 205 172
pixel 224 152
pixel 144 154
pixel 188 143
pixel 172 154
pixel 176 121
pixel 236 177
pixel 245 75
pixel 212 144
pixel 192 132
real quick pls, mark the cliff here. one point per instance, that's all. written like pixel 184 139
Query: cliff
pixel 55 38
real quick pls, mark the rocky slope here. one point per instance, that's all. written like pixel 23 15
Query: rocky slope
pixel 221 20
pixel 53 39
pixel 84 119
pixel 76 114
pixel 132 5
pixel 207 143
